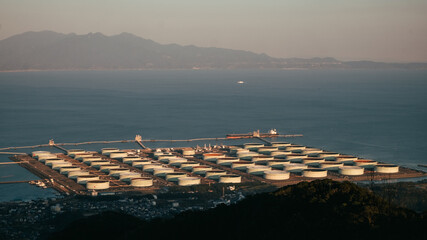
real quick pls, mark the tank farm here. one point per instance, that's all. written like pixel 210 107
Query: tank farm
pixel 146 170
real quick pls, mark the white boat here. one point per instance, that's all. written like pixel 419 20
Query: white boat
pixel 240 82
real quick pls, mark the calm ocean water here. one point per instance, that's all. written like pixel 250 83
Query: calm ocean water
pixel 373 114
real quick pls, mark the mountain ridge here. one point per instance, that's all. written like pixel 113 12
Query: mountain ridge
pixel 48 50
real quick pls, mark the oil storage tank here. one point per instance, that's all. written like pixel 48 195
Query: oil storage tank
pixel 173 177
pixel 386 168
pixel 188 181
pixel 65 170
pixel 201 170
pixel 140 163
pixel 161 172
pixel 351 170
pixel 118 155
pixel 128 176
pixel 49 162
pixel 97 184
pixel 59 165
pixel 257 170
pixel 73 152
pixel 141 182
pixel 117 171
pixel 85 178
pixel 253 146
pixel 315 173
pixel 276 175
pixel 75 174
pixel 242 165
pixel 230 178
pixel 107 151
pixel 214 174
pixel 130 159
pixel 188 166
pixel 226 161
pixel 331 165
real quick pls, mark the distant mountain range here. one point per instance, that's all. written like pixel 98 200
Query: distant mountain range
pixel 49 50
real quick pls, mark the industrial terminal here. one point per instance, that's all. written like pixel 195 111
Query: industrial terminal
pixel 145 170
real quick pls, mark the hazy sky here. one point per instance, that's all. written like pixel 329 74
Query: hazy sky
pixel 383 30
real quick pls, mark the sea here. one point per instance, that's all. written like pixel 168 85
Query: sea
pixel 374 114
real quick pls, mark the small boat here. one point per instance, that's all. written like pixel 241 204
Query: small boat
pixel 240 82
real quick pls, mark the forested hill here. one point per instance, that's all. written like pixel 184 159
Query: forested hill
pixel 47 50
pixel 322 209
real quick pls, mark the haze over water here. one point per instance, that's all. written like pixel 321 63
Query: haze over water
pixel 372 114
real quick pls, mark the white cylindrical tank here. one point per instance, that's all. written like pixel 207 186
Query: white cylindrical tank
pixel 365 163
pixel 35 154
pixel 295 147
pixel 296 157
pixel 294 167
pixel 188 181
pixel 267 150
pixel 107 167
pixel 177 161
pixel 311 151
pixel 242 165
pixel 214 174
pixel 331 165
pixel 128 176
pixel 262 159
pixel 313 160
pixel 96 164
pixel 386 168
pixel 328 154
pixel 315 173
pixel 80 156
pixel 277 163
pixel 188 166
pixel 280 144
pixel 234 149
pixel 161 172
pixel 247 155
pixel 97 184
pixel 230 178
pixel 226 161
pixel 150 167
pixel 116 172
pixel 276 175
pixel 130 159
pixel 75 174
pixel 65 170
pixel 201 169
pixel 173 177
pixel 280 154
pixel 87 160
pixel 107 151
pixel 118 155
pixel 44 157
pixel 59 165
pixel 345 159
pixel 253 146
pixel 49 162
pixel 141 182
pixel 257 170
pixel 84 179
pixel 72 152
pixel 188 151
pixel 212 157
pixel 140 163
pixel 351 170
